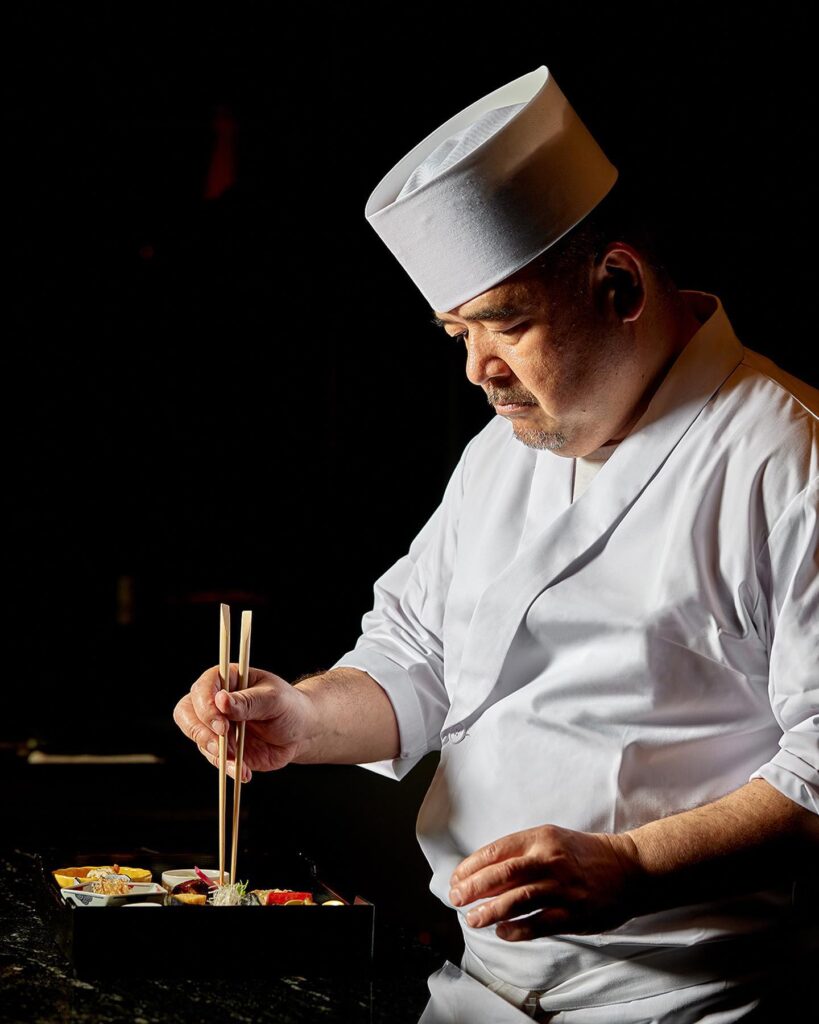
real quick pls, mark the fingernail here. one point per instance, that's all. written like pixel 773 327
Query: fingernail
pixel 456 897
pixel 212 747
pixel 218 726
pixel 473 917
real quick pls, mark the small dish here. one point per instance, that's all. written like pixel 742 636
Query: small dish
pixel 177 875
pixel 80 896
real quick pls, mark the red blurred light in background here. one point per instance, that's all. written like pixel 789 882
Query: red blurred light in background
pixel 222 170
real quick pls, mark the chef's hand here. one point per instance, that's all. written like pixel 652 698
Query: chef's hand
pixel 567 882
pixel 278 718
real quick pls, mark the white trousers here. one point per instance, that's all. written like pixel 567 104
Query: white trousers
pixel 715 1002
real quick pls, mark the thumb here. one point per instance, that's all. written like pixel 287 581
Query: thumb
pixel 256 703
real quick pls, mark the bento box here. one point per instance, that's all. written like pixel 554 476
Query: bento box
pixel 136 937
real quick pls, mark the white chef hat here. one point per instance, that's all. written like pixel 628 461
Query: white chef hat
pixel 490 190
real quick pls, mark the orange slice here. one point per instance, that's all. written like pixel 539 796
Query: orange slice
pixel 65 877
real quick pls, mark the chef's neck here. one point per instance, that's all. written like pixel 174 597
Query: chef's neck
pixel 670 322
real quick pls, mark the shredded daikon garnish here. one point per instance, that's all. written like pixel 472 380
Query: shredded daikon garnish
pixel 229 895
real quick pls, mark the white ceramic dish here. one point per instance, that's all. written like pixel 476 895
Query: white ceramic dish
pixel 172 878
pixel 145 892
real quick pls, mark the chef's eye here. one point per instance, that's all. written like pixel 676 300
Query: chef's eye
pixel 512 330
pixel 457 337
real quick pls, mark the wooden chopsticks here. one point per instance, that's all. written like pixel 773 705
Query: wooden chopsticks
pixel 224 682
pixel 244 665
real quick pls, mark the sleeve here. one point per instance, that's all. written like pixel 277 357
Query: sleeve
pixel 790 585
pixel 401 643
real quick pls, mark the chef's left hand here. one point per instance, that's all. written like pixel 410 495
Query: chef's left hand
pixel 575 882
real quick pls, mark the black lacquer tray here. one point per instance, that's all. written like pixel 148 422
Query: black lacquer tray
pixel 194 941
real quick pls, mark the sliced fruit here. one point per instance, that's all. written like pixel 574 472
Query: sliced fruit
pixel 65 877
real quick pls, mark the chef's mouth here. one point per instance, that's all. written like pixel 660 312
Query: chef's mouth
pixel 513 410
pixel 512 405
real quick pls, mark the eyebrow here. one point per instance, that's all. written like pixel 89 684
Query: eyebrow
pixel 487 313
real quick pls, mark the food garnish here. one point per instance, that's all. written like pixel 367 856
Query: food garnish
pixel 209 882
pixel 229 895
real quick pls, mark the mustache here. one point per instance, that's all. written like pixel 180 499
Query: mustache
pixel 509 396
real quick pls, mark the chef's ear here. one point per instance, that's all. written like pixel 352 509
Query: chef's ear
pixel 623 281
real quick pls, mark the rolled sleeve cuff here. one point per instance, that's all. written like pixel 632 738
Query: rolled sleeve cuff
pixel 396 681
pixel 793 777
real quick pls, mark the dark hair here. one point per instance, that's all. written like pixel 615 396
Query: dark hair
pixel 619 216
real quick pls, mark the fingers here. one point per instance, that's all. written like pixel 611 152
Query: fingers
pixel 565 881
pixel 191 724
pixel 554 921
pixel 509 846
pixel 230 766
pixel 522 900
pixel 202 694
pixel 519 872
pixel 496 878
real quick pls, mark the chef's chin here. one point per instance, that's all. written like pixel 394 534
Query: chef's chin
pixel 552 440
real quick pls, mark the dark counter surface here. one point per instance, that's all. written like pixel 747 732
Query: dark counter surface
pixel 38 984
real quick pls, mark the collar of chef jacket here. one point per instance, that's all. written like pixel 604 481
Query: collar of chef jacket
pixel 581 530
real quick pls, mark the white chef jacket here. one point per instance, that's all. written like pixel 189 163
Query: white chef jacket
pixel 599 664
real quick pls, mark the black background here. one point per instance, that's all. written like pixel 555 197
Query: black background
pixel 243 399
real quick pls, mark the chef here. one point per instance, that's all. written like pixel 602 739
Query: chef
pixel 608 626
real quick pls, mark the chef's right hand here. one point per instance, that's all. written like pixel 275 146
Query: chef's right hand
pixel 279 718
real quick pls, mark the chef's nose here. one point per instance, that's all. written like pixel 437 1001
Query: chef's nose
pixel 482 361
